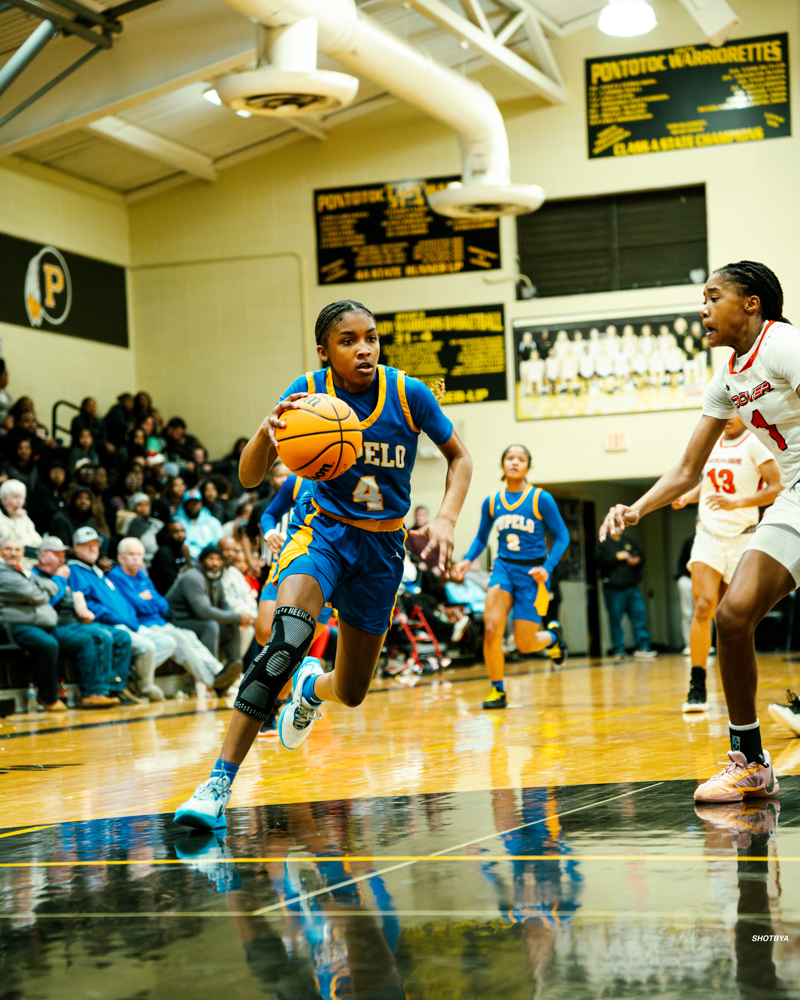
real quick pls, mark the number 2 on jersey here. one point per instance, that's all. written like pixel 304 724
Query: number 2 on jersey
pixel 771 429
pixel 512 543
pixel 367 492
pixel 725 477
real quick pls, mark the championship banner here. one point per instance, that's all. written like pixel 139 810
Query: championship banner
pixel 466 347
pixel 50 289
pixel 377 231
pixel 689 97
pixel 610 366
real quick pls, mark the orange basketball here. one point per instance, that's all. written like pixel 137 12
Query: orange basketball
pixel 321 439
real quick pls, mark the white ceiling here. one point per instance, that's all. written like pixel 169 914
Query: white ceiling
pixel 155 74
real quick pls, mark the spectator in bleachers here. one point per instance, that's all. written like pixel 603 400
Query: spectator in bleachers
pixel 83 450
pixel 6 399
pixel 237 526
pixel 88 419
pixel 47 497
pixel 229 466
pixel 101 655
pixel 143 407
pixel 117 422
pixel 237 590
pixel 111 607
pixel 21 466
pixel 14 518
pixel 211 499
pixel 25 428
pixel 132 482
pixel 133 581
pixel 176 444
pixel 199 466
pixel 76 514
pixel 241 564
pixel 202 528
pixel 143 526
pixel 197 602
pixel 172 556
pixel 26 611
pixel 173 494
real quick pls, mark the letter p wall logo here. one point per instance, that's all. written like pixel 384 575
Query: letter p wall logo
pixel 48 288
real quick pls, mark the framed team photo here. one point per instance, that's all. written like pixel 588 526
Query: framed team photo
pixel 612 365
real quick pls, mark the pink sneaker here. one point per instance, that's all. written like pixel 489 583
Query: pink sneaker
pixel 739 779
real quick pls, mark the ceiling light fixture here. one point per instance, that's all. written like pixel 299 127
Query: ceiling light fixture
pixel 625 18
pixel 212 97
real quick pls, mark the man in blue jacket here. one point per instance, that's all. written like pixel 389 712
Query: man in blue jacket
pixel 111 607
pixel 131 579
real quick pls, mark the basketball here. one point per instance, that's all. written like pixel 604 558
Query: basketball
pixel 321 439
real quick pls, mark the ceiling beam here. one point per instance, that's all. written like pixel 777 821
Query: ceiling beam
pixel 169 46
pixel 156 146
pixel 537 81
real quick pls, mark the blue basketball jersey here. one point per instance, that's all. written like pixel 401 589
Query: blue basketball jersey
pixel 520 528
pixel 378 486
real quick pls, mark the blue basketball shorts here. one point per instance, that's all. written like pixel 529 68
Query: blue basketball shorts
pixel 531 598
pixel 269 592
pixel 359 571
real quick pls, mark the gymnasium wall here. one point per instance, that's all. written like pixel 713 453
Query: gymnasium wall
pixel 264 207
pixel 37 204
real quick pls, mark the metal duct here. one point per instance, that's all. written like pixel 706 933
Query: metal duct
pixel 361 44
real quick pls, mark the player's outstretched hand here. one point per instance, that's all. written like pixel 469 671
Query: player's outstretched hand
pixel 617 520
pixel 273 420
pixel 459 571
pixel 539 574
pixel 439 533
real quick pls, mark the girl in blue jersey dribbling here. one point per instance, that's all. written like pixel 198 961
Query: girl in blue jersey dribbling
pixel 521 570
pixel 345 544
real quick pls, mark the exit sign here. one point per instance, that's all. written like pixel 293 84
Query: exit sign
pixel 617 442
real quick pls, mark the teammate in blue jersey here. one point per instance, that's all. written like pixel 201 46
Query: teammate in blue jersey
pixel 521 570
pixel 345 544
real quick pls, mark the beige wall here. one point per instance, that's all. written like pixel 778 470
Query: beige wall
pixel 84 219
pixel 265 207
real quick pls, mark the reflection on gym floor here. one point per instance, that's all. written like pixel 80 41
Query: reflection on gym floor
pixel 584 891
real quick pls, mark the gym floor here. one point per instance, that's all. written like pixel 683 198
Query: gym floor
pixel 416 846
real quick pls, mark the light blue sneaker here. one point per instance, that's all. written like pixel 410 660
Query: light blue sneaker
pixel 297 718
pixel 208 853
pixel 206 808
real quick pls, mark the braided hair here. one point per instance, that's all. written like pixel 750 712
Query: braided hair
pixel 752 278
pixel 332 313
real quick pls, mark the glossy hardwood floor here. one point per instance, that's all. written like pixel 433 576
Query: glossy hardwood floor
pixel 416 847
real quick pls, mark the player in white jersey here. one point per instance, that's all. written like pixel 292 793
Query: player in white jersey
pixel 744 310
pixel 739 477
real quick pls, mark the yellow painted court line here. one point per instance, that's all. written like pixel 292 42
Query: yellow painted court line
pixel 400 857
pixel 28 829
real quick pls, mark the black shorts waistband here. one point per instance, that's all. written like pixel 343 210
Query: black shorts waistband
pixel 522 562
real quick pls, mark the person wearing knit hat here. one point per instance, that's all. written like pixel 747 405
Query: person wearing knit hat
pixel 197 602
pixel 143 526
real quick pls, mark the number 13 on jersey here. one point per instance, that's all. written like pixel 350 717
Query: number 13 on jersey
pixel 367 492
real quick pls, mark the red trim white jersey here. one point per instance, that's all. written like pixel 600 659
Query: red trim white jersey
pixel 760 388
pixel 732 471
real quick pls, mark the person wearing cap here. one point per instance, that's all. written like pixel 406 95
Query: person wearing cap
pixel 101 655
pixel 197 602
pixel 110 607
pixel 14 518
pixel 202 528
pixel 77 514
pixel 131 577
pixel 142 526
pixel 26 612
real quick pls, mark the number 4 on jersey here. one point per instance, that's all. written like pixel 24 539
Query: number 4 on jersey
pixel 771 429
pixel 367 492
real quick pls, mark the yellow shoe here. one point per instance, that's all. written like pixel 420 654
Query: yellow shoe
pixel 497 699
